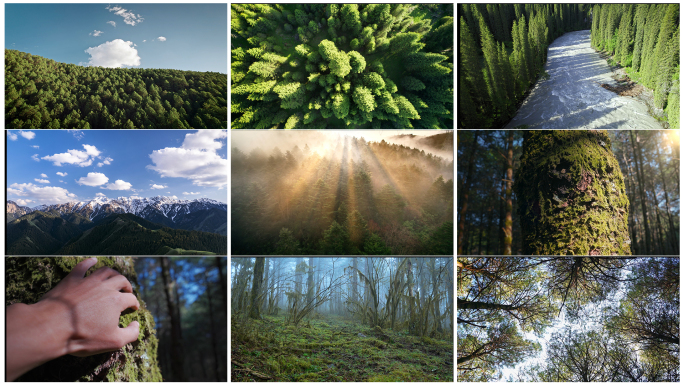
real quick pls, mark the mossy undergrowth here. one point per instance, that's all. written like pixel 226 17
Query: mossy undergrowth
pixel 330 349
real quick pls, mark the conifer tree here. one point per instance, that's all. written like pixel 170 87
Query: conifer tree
pixel 667 66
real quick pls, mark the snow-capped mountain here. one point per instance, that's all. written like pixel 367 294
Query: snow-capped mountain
pixel 15 210
pixel 160 209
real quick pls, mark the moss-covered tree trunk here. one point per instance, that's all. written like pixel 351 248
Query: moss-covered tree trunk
pixel 571 195
pixel 29 278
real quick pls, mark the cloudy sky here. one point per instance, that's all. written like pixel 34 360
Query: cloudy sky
pixel 170 36
pixel 58 166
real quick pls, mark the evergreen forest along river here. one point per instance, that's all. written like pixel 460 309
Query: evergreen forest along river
pixel 572 97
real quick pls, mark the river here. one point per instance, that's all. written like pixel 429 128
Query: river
pixel 572 96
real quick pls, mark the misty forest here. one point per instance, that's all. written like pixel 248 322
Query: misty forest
pixel 319 66
pixel 568 193
pixel 568 319
pixel 342 319
pixel 343 195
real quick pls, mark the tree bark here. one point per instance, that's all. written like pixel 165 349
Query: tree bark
pixel 672 237
pixel 29 278
pixel 212 328
pixel 222 281
pixel 508 224
pixel 571 195
pixel 639 170
pixel 176 341
pixel 466 191
pixel 254 312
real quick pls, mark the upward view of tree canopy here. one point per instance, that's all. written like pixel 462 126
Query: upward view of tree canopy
pixel 568 319
pixel 319 66
pixel 44 94
pixel 569 192
pixel 356 197
pixel 643 38
pixel 502 50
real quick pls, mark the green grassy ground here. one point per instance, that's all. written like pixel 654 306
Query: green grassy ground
pixel 331 349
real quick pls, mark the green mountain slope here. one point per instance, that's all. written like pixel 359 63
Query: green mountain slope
pixel 39 233
pixel 43 93
pixel 127 234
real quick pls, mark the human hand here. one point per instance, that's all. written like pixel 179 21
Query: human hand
pixel 90 307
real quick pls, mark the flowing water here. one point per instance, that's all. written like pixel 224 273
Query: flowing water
pixel 573 98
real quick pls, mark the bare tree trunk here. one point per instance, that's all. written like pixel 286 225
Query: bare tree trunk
pixel 212 328
pixel 176 341
pixel 640 178
pixel 466 191
pixel 254 312
pixel 672 237
pixel 508 224
pixel 264 306
pixel 222 280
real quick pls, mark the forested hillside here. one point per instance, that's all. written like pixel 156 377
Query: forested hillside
pixel 360 198
pixel 502 50
pixel 44 94
pixel 643 38
pixel 342 66
pixel 490 179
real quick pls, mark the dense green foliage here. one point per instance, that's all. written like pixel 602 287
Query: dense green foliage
pixel 644 37
pixel 29 278
pixel 40 233
pixel 502 50
pixel 601 319
pixel 360 198
pixel 43 94
pixel 342 66
pixel 648 161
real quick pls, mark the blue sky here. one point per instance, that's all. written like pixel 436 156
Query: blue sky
pixel 58 166
pixel 170 36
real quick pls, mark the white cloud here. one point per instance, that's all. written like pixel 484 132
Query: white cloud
pixel 113 54
pixel 43 175
pixel 144 41
pixel 42 181
pixel 35 146
pixel 156 186
pixel 195 160
pixel 161 38
pixel 95 33
pixel 129 17
pixel 35 157
pixel 75 156
pixel 23 202
pixel 62 173
pixel 106 161
pixel 62 181
pixel 174 197
pixel 12 136
pixel 112 23
pixel 191 193
pixel 41 195
pixel 93 179
pixel 28 135
pixel 100 194
pixel 77 134
pixel 119 185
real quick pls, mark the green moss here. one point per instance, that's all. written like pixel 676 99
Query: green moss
pixel 571 195
pixel 29 278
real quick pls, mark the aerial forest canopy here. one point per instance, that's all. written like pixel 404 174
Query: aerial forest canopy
pixel 44 94
pixel 320 66
pixel 568 193
pixel 643 38
pixel 502 50
pixel 568 319
pixel 354 197
pixel 342 319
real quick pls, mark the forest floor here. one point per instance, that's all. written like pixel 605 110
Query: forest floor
pixel 334 348
pixel 581 92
